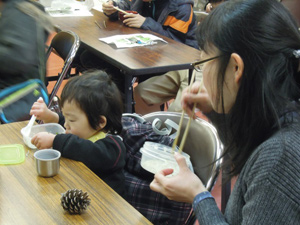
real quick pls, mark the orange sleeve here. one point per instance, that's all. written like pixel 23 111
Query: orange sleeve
pixel 180 25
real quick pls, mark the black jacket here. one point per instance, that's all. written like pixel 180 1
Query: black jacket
pixel 21 22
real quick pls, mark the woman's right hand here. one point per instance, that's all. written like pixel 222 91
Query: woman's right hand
pixel 191 97
pixel 41 111
pixel 108 8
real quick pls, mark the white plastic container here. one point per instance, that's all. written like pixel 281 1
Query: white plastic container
pixel 52 128
pixel 156 157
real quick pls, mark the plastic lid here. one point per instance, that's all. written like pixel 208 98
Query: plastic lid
pixel 162 149
pixel 159 154
pixel 158 146
pixel 12 154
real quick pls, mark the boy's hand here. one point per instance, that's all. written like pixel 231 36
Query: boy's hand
pixel 43 140
pixel 108 8
pixel 134 20
pixel 41 111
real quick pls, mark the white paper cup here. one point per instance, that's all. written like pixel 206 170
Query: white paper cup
pixel 47 162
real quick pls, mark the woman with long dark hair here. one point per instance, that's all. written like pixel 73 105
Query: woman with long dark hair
pixel 253 78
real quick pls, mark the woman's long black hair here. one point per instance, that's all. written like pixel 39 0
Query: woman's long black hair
pixel 265 35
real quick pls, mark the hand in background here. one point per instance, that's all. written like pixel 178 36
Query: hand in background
pixel 108 8
pixel 41 111
pixel 183 187
pixel 134 20
pixel 43 140
pixel 202 99
pixel 208 8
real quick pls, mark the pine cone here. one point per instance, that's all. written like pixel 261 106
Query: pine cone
pixel 75 201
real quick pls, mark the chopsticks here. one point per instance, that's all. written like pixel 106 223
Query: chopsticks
pixel 120 10
pixel 188 123
pixel 98 25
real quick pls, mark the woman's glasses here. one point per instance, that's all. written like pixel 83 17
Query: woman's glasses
pixel 199 64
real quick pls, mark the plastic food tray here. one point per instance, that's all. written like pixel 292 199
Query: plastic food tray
pixel 156 156
pixel 52 128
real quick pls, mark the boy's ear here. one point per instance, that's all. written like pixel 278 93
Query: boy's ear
pixel 102 122
pixel 239 67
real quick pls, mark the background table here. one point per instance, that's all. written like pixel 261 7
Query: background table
pixel 133 62
pixel 26 198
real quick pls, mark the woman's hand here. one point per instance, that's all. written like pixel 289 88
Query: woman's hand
pixel 41 111
pixel 43 140
pixel 182 187
pixel 202 100
pixel 108 8
pixel 134 20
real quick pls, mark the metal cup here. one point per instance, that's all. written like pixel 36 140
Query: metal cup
pixel 47 162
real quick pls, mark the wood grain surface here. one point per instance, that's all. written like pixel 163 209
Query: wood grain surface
pixel 26 198
pixel 135 61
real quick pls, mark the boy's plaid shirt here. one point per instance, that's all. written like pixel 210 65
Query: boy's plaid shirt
pixel 154 206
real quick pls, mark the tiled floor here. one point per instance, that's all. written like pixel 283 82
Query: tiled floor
pixel 54 66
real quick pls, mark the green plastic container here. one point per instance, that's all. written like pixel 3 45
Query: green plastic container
pixel 12 154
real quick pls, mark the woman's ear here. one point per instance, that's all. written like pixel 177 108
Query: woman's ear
pixel 102 122
pixel 238 63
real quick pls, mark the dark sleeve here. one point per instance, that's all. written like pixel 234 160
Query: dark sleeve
pixel 208 213
pixel 102 156
pixel 176 26
pixel 61 119
pixel 18 38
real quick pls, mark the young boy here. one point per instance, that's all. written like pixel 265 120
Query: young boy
pixel 92 112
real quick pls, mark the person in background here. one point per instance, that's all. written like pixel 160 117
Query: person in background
pixel 253 78
pixel 174 19
pixel 212 4
pixel 154 92
pixel 92 111
pixel 24 30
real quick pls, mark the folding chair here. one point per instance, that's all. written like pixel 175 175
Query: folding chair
pixel 65 44
pixel 202 144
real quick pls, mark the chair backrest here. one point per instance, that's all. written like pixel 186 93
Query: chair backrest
pixel 202 144
pixel 65 44
pixel 200 16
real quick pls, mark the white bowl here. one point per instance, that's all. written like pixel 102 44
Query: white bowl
pixel 156 157
pixel 52 128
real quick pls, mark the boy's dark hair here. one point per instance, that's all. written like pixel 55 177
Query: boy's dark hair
pixel 97 95
pixel 265 35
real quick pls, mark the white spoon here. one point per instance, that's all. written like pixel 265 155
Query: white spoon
pixel 26 132
pixel 27 129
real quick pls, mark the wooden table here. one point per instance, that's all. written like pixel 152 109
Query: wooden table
pixel 26 198
pixel 133 62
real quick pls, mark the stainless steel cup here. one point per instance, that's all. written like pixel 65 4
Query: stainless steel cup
pixel 47 162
